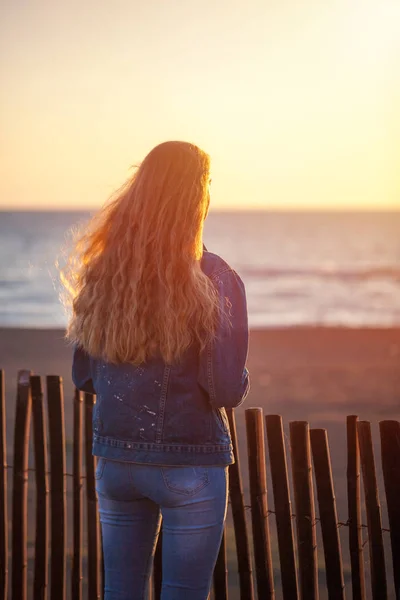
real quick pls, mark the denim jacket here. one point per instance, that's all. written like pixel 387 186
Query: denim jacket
pixel 162 414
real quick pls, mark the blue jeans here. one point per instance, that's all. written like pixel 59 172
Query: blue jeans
pixel 133 498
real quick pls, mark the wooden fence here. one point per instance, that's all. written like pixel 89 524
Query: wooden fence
pixel 297 559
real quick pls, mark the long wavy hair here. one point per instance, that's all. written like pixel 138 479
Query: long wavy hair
pixel 133 277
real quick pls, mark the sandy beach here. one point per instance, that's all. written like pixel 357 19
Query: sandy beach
pixel 316 374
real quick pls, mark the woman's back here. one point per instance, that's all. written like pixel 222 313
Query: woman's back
pixel 178 410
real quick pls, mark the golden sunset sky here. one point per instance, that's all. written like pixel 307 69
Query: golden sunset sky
pixel 298 103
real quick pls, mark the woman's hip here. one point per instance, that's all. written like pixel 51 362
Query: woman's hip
pixel 167 486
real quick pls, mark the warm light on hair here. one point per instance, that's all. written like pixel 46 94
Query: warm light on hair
pixel 134 278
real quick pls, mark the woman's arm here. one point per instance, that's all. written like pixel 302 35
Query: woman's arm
pixel 223 373
pixel 81 375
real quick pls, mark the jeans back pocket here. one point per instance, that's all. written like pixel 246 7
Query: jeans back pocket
pixel 185 480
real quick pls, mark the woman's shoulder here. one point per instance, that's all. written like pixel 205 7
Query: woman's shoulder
pixel 213 265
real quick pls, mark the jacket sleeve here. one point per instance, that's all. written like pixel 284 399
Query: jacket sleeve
pixel 81 375
pixel 222 370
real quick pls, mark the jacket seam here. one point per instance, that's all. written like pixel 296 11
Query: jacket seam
pixel 163 399
pixel 164 447
pixel 218 411
pixel 220 272
pixel 210 373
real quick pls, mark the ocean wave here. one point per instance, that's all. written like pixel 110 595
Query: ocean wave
pixel 370 273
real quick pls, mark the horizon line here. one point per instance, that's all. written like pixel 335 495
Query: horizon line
pixel 227 209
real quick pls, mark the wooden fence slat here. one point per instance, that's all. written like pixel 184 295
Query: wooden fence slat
pixel 327 514
pixel 157 568
pixel 58 518
pixel 91 506
pixel 390 445
pixel 373 509
pixel 239 517
pixel 20 487
pixel 354 510
pixel 76 574
pixel 40 579
pixel 259 503
pixel 221 572
pixel 283 509
pixel 3 491
pixel 305 510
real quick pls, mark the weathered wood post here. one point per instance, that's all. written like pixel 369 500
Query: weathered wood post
pixel 239 517
pixel 259 503
pixel 373 508
pixel 354 510
pixel 91 506
pixel 328 514
pixel 20 487
pixel 305 510
pixel 76 575
pixel 3 491
pixel 157 568
pixel 58 519
pixel 283 508
pixel 390 446
pixel 40 580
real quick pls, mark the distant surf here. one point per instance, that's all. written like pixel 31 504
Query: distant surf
pixel 298 268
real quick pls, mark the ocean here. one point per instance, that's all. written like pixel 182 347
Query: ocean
pixel 298 268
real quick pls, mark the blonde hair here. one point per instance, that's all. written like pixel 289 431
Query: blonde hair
pixel 133 277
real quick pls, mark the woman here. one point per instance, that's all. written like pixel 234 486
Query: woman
pixel 161 337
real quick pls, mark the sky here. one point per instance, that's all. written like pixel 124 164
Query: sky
pixel 298 103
